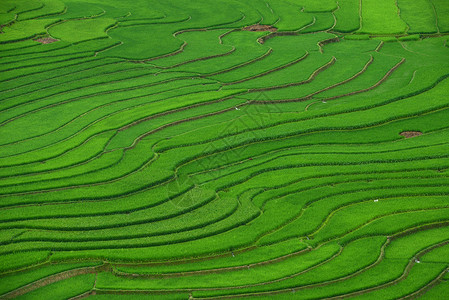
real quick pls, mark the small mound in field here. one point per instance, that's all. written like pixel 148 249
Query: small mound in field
pixel 46 40
pixel 260 28
pixel 410 134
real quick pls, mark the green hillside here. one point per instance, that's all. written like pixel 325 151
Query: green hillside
pixel 266 149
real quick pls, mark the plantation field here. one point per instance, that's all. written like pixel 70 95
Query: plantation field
pixel 291 149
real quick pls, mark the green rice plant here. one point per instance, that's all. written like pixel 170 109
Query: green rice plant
pixel 6 18
pixel 71 158
pixel 441 9
pixel 24 30
pixel 82 124
pixel 386 270
pixel 15 261
pixel 336 224
pixel 384 274
pixel 305 224
pixel 50 8
pixel 106 123
pixel 302 157
pixel 7 7
pixel 151 198
pixel 173 244
pixel 124 11
pixel 246 276
pixel 285 51
pixel 21 6
pixel 168 296
pixel 414 37
pixel 32 82
pixel 99 89
pixel 290 159
pixel 18 279
pixel 256 256
pixel 323 21
pixel 438 255
pixel 351 259
pixel 246 47
pixel 129 162
pixel 312 6
pixel 395 223
pixel 195 48
pixel 36 70
pixel 285 76
pixel 418 15
pixel 290 15
pixel 357 37
pixel 76 10
pixel 63 289
pixel 318 81
pixel 137 47
pixel 437 291
pixel 386 39
pixel 348 18
pixel 269 17
pixel 357 116
pixel 43 87
pixel 408 245
pixel 419 276
pixel 130 135
pixel 373 73
pixel 133 227
pixel 381 17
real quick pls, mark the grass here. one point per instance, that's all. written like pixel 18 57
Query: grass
pixel 157 150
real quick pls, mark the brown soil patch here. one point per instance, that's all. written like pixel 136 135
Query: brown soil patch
pixel 46 40
pixel 410 134
pixel 260 28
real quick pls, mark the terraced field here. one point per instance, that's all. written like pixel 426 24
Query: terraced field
pixel 179 149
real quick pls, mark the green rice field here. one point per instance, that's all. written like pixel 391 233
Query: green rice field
pixel 233 149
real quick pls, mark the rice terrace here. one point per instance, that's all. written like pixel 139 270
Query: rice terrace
pixel 224 149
